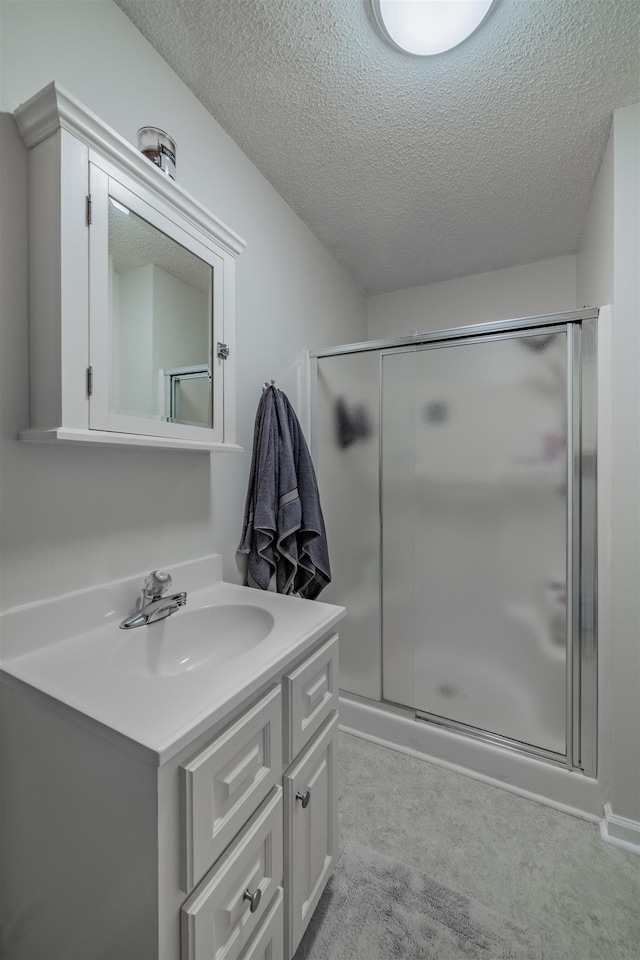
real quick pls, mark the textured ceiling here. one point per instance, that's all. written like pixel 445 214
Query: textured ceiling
pixel 135 243
pixel 412 170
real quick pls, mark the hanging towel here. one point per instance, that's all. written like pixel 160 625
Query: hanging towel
pixel 283 531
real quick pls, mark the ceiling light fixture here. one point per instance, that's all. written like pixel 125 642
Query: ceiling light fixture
pixel 426 27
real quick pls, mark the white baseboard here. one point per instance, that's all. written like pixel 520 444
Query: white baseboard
pixel 620 831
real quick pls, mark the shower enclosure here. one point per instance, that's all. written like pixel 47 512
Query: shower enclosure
pixel 457 474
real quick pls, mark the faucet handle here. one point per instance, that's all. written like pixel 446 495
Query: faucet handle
pixel 157 583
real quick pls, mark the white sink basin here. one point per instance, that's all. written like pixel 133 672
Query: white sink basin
pixel 164 684
pixel 190 639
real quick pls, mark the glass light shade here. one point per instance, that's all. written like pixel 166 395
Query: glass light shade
pixel 426 27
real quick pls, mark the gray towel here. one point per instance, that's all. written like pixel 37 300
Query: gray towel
pixel 283 530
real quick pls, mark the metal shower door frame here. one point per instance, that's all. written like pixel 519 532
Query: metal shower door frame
pixel 581 671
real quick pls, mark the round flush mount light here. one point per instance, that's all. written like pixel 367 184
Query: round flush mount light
pixel 427 27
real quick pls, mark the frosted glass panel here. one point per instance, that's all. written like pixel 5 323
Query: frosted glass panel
pixel 348 469
pixel 398 497
pixel 475 519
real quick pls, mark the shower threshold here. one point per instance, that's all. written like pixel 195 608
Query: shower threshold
pixel 503 764
pixel 486 736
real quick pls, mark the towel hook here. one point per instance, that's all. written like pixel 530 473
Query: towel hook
pixel 268 384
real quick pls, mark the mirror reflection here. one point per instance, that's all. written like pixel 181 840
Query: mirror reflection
pixel 160 324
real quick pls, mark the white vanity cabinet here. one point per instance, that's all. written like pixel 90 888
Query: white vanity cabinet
pixel 291 843
pixel 132 292
pixel 219 853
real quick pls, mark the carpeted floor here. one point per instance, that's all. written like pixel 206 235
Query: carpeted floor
pixel 376 908
pixel 534 865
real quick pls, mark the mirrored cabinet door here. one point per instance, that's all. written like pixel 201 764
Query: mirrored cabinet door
pixel 156 295
pixel 131 293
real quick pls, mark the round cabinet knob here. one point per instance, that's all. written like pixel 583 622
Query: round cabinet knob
pixel 304 798
pixel 253 898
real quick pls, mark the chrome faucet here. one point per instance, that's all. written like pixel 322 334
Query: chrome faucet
pixel 155 605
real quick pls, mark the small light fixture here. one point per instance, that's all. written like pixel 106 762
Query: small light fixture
pixel 427 27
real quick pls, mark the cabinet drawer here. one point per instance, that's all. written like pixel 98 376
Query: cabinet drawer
pixel 311 837
pixel 311 694
pixel 222 786
pixel 216 920
pixel 268 941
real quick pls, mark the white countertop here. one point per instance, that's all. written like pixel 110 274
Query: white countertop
pixel 69 649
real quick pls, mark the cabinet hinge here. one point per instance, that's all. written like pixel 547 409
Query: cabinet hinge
pixel 223 351
pixel 89 210
pixel 89 381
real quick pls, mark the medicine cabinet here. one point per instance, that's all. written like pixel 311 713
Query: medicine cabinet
pixel 132 292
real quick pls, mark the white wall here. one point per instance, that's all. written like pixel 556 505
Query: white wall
pixel 625 450
pixel 608 270
pixel 594 262
pixel 625 440
pixel 76 517
pixel 531 290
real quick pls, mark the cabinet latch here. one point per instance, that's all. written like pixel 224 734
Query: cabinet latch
pixel 223 351
pixel 89 381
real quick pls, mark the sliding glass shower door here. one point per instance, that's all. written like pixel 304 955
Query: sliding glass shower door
pixel 458 475
pixel 476 501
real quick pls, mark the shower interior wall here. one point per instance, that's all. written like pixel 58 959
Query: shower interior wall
pixel 608 267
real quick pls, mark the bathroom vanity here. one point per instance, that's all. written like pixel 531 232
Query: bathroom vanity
pixel 170 791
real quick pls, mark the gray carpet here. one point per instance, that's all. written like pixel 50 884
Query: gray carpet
pixel 376 908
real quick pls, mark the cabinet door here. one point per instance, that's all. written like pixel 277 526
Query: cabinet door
pixel 227 907
pixel 311 832
pixel 156 302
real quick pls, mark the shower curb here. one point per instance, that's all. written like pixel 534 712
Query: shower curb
pixel 568 791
